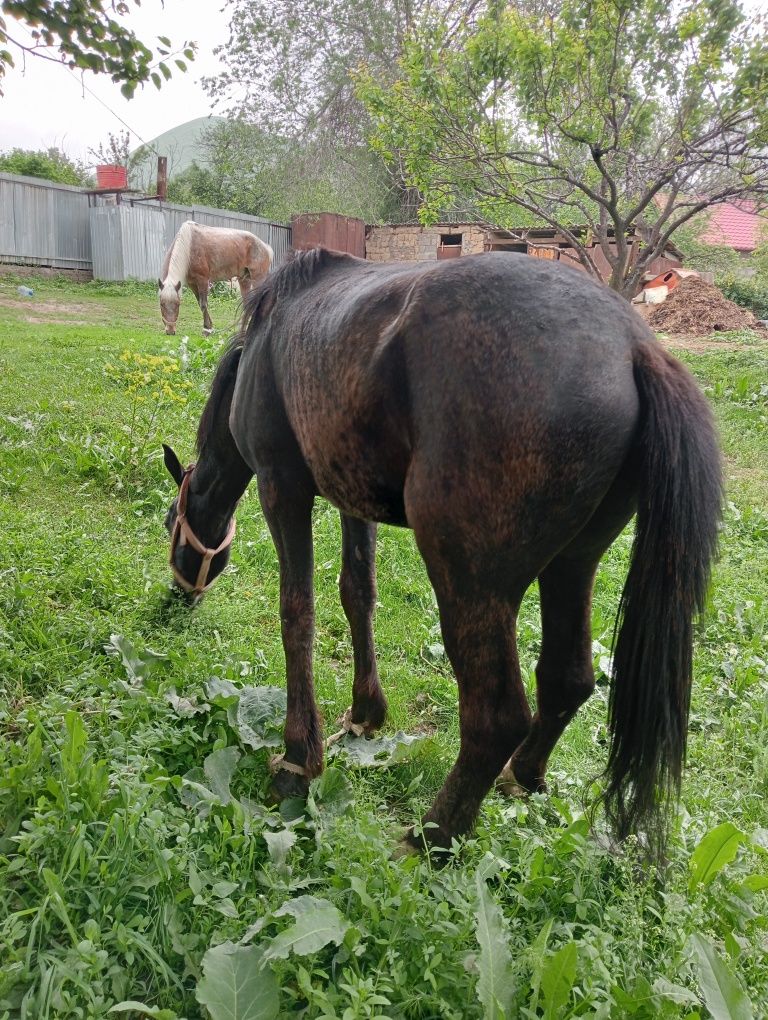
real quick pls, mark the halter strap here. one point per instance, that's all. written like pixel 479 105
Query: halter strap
pixel 183 533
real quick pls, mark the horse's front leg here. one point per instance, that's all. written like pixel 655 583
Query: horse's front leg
pixel 202 299
pixel 288 511
pixel 357 587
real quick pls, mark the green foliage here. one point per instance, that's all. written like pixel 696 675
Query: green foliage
pixel 154 382
pixel 236 985
pixel 715 258
pixel 116 151
pixel 87 37
pixel 143 872
pixel 717 848
pixel 252 170
pixel 606 115
pixel 299 95
pixel 751 292
pixel 495 984
pixel 300 84
pixel 51 164
pixel 378 752
pixel 723 993
pixel 557 980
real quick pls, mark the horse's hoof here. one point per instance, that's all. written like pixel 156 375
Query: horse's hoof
pixel 207 332
pixel 363 729
pixel 287 785
pixel 351 729
pixel 508 784
pixel 404 849
pixel 432 840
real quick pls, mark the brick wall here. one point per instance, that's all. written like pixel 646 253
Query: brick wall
pixel 419 244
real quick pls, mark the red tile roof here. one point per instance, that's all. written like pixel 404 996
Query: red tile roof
pixel 737 226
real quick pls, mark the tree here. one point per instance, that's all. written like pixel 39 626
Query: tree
pixel 83 34
pixel 50 164
pixel 115 152
pixel 288 62
pixel 251 170
pixel 289 67
pixel 591 116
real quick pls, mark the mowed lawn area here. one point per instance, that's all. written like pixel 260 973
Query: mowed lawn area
pixel 139 865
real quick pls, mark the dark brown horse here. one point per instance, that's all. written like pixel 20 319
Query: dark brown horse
pixel 515 415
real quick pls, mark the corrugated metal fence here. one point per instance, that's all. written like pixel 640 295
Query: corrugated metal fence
pixel 43 224
pixel 47 224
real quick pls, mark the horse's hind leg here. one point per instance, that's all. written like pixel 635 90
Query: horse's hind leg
pixel 479 634
pixel 287 505
pixel 564 674
pixel 357 587
pixel 564 671
pixel 245 283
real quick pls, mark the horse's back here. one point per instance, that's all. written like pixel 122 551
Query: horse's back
pixel 222 252
pixel 477 383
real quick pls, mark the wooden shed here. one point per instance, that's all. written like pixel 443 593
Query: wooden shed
pixel 330 230
pixel 413 242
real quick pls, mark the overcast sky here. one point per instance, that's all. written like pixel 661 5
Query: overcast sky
pixel 45 104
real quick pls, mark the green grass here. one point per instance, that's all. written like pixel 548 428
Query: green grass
pixel 116 878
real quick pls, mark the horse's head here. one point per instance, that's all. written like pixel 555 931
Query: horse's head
pixel 170 299
pixel 195 566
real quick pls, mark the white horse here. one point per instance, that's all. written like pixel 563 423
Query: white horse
pixel 201 255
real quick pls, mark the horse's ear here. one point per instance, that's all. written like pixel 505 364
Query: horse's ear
pixel 172 463
pixel 178 286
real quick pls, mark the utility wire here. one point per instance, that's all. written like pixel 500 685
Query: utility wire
pixel 80 80
pixel 110 110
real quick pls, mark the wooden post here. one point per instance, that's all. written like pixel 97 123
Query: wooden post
pixel 162 177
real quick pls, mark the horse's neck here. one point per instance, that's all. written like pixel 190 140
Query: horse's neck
pixel 214 490
pixel 178 263
pixel 218 481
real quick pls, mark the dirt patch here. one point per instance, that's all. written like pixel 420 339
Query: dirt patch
pixel 699 345
pixel 45 273
pixel 695 308
pixel 47 307
pixel 48 321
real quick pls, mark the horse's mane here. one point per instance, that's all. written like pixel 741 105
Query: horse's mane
pixel 299 269
pixel 221 388
pixel 177 259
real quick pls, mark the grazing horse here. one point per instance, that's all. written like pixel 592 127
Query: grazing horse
pixel 199 256
pixel 515 414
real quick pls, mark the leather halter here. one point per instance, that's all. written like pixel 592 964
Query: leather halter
pixel 183 533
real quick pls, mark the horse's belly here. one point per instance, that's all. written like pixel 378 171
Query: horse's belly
pixel 365 497
pixel 358 467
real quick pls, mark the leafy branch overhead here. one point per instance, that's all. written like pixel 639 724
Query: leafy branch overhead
pixel 299 89
pixel 88 36
pixel 594 118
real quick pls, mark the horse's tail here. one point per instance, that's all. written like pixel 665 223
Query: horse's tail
pixel 678 511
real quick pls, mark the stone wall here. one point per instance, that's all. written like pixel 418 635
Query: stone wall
pixel 407 243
